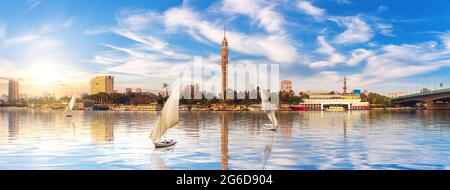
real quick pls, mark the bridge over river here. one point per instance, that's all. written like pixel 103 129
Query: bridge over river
pixel 437 99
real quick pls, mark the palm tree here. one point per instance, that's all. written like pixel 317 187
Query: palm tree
pixel 165 85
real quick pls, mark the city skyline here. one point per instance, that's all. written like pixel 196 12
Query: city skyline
pixel 57 46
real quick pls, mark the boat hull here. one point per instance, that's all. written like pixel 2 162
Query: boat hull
pixel 270 127
pixel 300 108
pixel 164 144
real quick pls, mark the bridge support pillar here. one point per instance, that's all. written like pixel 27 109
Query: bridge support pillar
pixel 438 106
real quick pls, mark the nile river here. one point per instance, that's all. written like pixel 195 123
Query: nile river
pixel 31 139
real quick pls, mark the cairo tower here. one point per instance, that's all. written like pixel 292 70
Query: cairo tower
pixel 224 64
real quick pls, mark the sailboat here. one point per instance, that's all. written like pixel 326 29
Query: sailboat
pixel 168 118
pixel 70 106
pixel 270 109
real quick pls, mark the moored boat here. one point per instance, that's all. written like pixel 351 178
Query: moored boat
pixel 299 108
pixel 335 108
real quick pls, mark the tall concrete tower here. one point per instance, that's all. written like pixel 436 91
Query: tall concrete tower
pixel 224 64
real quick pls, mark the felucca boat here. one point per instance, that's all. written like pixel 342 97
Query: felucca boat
pixel 168 118
pixel 70 106
pixel 270 109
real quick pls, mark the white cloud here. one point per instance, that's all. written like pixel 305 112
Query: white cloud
pixel 325 48
pixel 384 65
pixel 382 8
pixel 399 61
pixel 385 29
pixel 151 43
pixel 271 20
pixel 143 68
pixel 99 30
pixel 133 53
pixel 33 4
pixel 310 9
pixel 41 40
pixel 36 41
pixel 446 39
pixel 67 24
pixel 359 55
pixel 109 58
pixel 357 30
pixel 277 47
pixel 260 11
pixel 137 19
pixel 324 80
pixel 346 2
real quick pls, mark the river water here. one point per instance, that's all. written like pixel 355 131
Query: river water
pixel 377 139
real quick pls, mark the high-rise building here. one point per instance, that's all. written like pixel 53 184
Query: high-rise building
pixel 102 84
pixel 191 91
pixel 13 91
pixel 138 90
pixel 286 86
pixel 224 64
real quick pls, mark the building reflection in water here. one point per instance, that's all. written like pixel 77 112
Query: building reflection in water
pixel 224 140
pixel 287 121
pixel 13 124
pixel 102 128
pixel 192 124
pixel 253 123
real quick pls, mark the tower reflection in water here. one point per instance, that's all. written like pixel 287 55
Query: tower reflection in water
pixel 102 128
pixel 224 140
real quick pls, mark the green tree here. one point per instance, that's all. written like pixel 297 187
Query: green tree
pixel 364 97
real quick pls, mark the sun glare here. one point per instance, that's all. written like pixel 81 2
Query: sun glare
pixel 45 74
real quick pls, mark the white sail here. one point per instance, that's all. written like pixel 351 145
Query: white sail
pixel 169 116
pixel 269 115
pixel 270 108
pixel 265 103
pixel 274 118
pixel 72 103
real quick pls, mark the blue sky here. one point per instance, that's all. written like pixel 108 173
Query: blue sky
pixel 386 46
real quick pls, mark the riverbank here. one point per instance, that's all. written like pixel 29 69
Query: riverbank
pixel 186 109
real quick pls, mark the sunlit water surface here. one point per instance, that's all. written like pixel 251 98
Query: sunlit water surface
pixel 31 139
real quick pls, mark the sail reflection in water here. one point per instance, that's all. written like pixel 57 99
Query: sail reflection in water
pixel 33 139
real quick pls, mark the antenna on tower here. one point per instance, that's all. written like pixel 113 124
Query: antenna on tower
pixel 225 31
